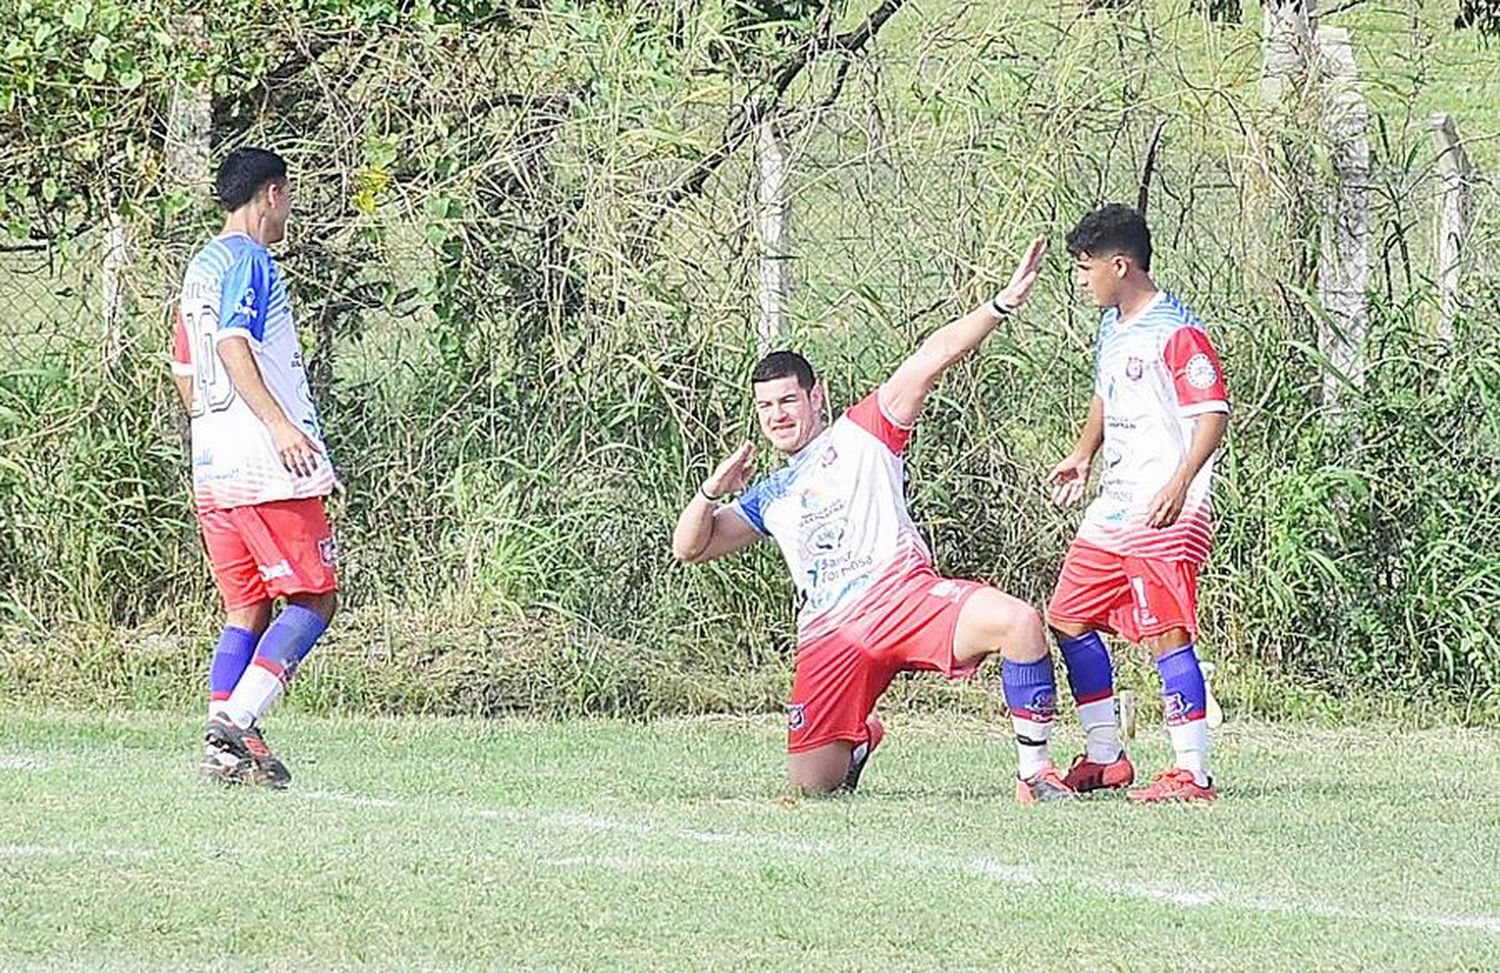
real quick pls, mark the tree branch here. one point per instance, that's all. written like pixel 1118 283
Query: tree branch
pixel 746 116
pixel 233 116
pixel 1143 194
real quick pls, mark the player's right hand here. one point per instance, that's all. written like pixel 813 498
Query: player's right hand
pixel 299 454
pixel 733 474
pixel 1069 479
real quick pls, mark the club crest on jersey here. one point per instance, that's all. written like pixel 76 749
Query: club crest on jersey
pixel 328 552
pixel 830 455
pixel 1135 369
pixel 1200 371
pixel 796 716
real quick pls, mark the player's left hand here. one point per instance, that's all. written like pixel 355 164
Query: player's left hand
pixel 1166 506
pixel 1024 278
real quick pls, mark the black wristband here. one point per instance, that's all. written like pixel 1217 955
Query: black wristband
pixel 1001 309
pixel 709 496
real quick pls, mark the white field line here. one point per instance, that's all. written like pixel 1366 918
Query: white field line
pixel 929 859
pixel 631 864
pixel 23 763
pixel 70 851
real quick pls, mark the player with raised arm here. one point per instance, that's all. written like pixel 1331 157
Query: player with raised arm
pixel 260 469
pixel 1159 413
pixel 871 604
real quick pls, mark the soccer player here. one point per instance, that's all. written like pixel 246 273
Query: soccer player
pixel 1159 413
pixel 871 604
pixel 260 468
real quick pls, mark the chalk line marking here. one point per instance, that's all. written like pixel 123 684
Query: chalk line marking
pixel 70 851
pixel 928 859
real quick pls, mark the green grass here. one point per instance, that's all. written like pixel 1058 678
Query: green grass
pixel 519 845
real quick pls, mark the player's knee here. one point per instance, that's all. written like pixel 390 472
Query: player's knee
pixel 1064 629
pixel 816 781
pixel 1019 630
pixel 323 603
pixel 253 618
pixel 820 771
pixel 1169 641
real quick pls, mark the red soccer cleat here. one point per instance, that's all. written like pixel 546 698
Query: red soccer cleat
pixel 876 731
pixel 1044 785
pixel 1174 784
pixel 1085 775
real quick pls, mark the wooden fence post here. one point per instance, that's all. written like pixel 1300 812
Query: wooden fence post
pixel 775 292
pixel 1455 211
pixel 1344 258
pixel 1286 44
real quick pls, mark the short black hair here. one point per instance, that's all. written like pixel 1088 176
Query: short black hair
pixel 244 173
pixel 1108 230
pixel 780 364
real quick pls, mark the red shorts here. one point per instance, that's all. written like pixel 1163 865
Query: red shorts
pixel 269 550
pixel 909 625
pixel 1135 598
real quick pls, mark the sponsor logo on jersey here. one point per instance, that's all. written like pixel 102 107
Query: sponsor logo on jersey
pixel 1200 372
pixel 814 496
pixel 247 304
pixel 827 538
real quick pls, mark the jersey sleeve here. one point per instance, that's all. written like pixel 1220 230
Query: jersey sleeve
pixel 1196 373
pixel 182 357
pixel 1098 363
pixel 748 506
pixel 245 298
pixel 869 415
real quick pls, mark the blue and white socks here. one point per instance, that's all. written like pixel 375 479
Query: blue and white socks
pixel 1091 678
pixel 1031 694
pixel 231 656
pixel 286 643
pixel 1185 701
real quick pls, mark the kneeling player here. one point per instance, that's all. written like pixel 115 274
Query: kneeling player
pixel 1159 412
pixel 871 603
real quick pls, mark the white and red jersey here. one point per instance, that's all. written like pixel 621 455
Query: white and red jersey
pixel 1155 373
pixel 232 289
pixel 838 512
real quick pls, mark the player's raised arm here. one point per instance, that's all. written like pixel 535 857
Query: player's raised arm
pixel 905 392
pixel 707 527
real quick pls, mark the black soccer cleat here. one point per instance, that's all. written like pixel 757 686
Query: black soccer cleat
pixel 246 743
pixel 858 759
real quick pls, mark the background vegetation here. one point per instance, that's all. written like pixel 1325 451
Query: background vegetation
pixel 524 261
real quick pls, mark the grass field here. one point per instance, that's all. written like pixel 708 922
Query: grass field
pixel 518 845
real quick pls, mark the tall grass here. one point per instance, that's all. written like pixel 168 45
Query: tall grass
pixel 528 363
